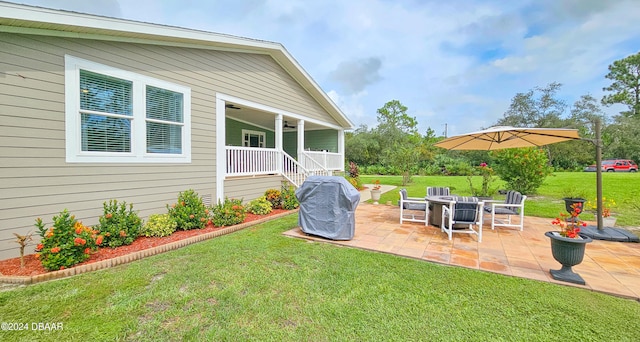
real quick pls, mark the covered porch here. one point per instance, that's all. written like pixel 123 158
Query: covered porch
pixel 257 140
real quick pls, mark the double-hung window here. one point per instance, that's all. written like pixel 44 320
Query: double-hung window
pixel 118 116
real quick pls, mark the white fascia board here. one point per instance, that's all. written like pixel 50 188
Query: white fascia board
pixel 50 16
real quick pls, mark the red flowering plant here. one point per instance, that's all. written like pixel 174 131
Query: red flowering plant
pixel 189 212
pixel 228 213
pixel 570 223
pixel 289 199
pixel 119 224
pixel 66 243
pixel 488 178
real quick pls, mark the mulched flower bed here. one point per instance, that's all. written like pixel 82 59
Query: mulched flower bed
pixel 32 266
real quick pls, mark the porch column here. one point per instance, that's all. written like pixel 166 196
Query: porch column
pixel 221 151
pixel 278 136
pixel 300 140
pixel 341 147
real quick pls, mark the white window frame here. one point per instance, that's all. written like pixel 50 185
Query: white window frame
pixel 258 133
pixel 138 154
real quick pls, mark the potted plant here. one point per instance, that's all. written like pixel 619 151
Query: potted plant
pixel 568 245
pixel 375 191
pixel 607 204
pixel 571 197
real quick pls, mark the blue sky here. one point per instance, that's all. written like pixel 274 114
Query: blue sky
pixel 455 62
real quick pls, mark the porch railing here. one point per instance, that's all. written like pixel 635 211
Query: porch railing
pixel 242 161
pixel 249 161
pixel 327 160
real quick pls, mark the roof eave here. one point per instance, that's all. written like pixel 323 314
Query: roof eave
pixel 44 20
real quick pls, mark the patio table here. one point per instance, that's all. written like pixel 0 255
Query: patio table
pixel 435 211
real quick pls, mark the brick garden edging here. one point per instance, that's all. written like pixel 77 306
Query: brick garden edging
pixel 99 265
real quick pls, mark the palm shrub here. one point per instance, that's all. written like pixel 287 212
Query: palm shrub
pixel 259 206
pixel 67 243
pixel 228 213
pixel 159 225
pixel 523 169
pixel 119 224
pixel 289 199
pixel 189 212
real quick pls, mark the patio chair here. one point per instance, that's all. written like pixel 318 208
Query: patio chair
pixel 438 191
pixel 512 205
pixel 413 209
pixel 458 213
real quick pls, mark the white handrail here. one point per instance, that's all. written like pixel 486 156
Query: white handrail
pixel 293 171
pixel 310 164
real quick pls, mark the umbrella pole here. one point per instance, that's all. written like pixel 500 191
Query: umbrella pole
pixel 599 176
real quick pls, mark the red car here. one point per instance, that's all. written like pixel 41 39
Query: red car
pixel 615 165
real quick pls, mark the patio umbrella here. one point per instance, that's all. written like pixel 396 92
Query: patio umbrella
pixel 500 137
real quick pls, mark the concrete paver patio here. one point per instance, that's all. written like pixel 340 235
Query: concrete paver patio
pixel 609 267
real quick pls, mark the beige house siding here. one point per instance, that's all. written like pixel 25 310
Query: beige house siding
pixel 36 181
pixel 246 188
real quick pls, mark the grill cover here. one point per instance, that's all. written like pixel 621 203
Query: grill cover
pixel 327 207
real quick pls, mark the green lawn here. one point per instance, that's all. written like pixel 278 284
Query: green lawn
pixel 622 187
pixel 257 284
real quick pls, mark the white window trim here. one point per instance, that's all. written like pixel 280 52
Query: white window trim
pixel 258 133
pixel 138 154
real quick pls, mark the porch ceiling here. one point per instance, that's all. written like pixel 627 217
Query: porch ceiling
pixel 265 119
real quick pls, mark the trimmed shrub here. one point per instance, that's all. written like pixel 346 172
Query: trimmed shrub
pixel 524 169
pixel 119 225
pixel 159 225
pixel 259 206
pixel 67 243
pixel 275 197
pixel 289 199
pixel 189 212
pixel 228 213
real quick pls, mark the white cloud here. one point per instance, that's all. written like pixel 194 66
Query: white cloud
pixel 459 61
pixel 352 106
pixel 110 8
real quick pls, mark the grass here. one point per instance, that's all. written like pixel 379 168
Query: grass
pixel 257 284
pixel 622 187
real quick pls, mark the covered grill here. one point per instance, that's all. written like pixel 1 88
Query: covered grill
pixel 327 207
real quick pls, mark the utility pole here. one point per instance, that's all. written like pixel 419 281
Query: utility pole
pixel 445 130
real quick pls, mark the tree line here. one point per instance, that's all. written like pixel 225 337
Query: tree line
pixel 396 147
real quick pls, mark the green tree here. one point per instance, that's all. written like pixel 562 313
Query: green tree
pixel 523 169
pixel 362 146
pixel 622 139
pixel 625 89
pixel 575 154
pixel 399 138
pixel 538 107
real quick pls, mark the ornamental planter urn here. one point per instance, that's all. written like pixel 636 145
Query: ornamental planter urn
pixel 568 252
pixel 570 201
pixel 375 195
